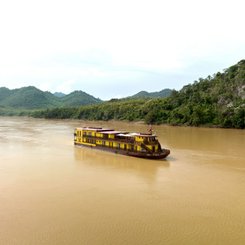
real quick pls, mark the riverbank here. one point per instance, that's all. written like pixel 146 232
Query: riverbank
pixel 96 122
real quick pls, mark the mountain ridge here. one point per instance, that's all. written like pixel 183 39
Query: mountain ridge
pixel 216 101
pixel 59 94
pixel 31 97
pixel 158 94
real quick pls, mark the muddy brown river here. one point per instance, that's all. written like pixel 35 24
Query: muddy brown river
pixel 54 193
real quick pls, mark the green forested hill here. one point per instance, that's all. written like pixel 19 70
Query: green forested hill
pixel 78 98
pixel 217 100
pixel 161 94
pixel 59 94
pixel 214 101
pixel 4 93
pixel 29 98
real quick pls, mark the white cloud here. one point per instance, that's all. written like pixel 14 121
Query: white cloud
pixel 50 42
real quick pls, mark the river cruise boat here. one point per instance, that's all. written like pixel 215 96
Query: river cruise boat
pixel 144 145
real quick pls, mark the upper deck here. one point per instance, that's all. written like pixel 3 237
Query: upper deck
pixel 106 133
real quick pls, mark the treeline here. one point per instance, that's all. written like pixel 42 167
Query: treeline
pixel 215 101
pixel 125 109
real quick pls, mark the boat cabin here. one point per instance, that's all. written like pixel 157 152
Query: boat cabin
pixel 138 142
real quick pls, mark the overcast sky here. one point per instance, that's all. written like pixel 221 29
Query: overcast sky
pixel 111 48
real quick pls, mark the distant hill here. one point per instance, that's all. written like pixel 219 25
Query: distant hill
pixel 78 98
pixel 4 93
pixel 161 94
pixel 27 98
pixel 59 94
pixel 33 98
pixel 216 101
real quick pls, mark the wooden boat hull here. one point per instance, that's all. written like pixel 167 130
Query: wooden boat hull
pixel 156 155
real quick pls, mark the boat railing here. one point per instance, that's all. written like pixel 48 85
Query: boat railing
pixel 118 139
pixel 150 142
pixel 146 148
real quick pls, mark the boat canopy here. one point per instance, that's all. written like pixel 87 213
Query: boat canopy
pixel 136 134
pixel 111 132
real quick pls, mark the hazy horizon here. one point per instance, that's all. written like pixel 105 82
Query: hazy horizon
pixel 114 49
pixel 58 92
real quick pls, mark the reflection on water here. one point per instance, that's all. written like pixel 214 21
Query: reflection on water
pixel 54 193
pixel 145 168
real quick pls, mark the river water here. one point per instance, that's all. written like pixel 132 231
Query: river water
pixel 54 193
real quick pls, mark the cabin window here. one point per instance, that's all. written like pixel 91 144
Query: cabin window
pixel 151 139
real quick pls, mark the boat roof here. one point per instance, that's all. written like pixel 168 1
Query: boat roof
pixel 112 132
pixel 96 129
pixel 136 134
pixel 119 133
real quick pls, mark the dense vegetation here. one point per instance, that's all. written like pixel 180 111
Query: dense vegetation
pixel 214 101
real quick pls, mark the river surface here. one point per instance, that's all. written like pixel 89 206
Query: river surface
pixel 54 193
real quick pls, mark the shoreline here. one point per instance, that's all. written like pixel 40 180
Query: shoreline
pixel 139 122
